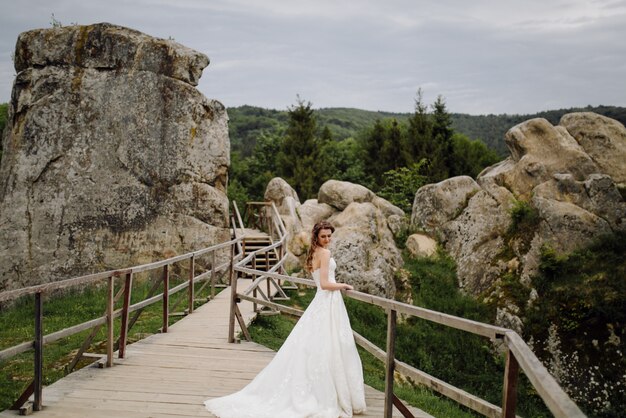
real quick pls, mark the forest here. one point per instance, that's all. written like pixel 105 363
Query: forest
pixel 393 154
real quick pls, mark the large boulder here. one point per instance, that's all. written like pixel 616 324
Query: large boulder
pixel 363 242
pixel 603 139
pixel 566 179
pixel 287 203
pixel 112 157
pixel 436 204
pixel 420 245
pixel 283 195
pixel 364 249
pixel 339 194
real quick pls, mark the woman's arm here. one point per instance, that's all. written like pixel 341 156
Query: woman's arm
pixel 324 265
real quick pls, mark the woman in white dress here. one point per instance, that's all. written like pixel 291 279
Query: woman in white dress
pixel 317 372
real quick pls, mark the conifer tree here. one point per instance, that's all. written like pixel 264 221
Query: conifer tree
pixel 442 165
pixel 299 151
pixel 372 144
pixel 392 152
pixel 419 134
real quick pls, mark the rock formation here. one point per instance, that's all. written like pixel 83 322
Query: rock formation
pixel 568 177
pixel 112 157
pixel 363 243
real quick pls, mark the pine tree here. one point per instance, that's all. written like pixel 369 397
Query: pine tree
pixel 392 154
pixel 298 157
pixel 443 165
pixel 419 134
pixel 372 144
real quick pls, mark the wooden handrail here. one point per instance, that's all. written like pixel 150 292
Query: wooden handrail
pixel 111 313
pixel 238 218
pixel 555 398
pixel 90 278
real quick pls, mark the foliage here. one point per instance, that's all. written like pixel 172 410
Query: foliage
pixel 470 157
pixel 360 146
pixel 400 185
pixel 524 217
pixel 577 322
pixel 298 157
pixel 442 164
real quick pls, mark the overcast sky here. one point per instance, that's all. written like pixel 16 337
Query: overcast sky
pixel 482 56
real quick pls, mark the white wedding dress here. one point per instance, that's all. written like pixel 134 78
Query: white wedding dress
pixel 317 372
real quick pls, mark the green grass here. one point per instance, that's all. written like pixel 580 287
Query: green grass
pixel 63 311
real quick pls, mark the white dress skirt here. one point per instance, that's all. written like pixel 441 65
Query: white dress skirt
pixel 317 373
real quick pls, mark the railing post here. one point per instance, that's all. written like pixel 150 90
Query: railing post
pixel 128 285
pixel 267 279
pixel 254 304
pixel 192 274
pixel 390 363
pixel 233 295
pixel 509 392
pixel 213 275
pixel 166 297
pixel 38 380
pixel 110 329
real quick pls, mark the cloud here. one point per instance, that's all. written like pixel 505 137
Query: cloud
pixel 482 56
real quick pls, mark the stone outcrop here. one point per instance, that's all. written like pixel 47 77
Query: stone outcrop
pixel 363 244
pixel 568 177
pixel 112 157
pixel 420 245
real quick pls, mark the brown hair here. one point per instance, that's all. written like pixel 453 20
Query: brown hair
pixel 314 242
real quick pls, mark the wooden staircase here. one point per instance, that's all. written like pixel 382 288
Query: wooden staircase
pixel 263 261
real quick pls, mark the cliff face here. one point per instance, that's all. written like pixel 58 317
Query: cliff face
pixel 112 157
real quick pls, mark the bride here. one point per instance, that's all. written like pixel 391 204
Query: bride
pixel 317 372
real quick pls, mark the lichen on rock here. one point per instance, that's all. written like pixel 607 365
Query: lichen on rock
pixel 112 157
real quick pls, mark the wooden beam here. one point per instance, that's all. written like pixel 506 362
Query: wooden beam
pixel 128 286
pixel 213 275
pixel 390 363
pixel 406 413
pixel 552 394
pixel 23 397
pixel 232 278
pixel 38 363
pixel 509 390
pixel 192 274
pixel 242 323
pixel 110 308
pixel 166 298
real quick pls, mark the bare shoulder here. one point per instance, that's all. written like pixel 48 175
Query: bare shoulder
pixel 323 253
pixel 320 256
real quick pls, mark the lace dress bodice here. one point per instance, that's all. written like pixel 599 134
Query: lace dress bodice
pixel 332 265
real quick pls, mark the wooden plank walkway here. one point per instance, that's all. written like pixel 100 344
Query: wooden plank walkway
pixel 170 375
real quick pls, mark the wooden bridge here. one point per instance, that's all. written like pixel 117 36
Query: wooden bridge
pixel 172 373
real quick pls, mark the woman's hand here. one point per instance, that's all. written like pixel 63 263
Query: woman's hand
pixel 347 287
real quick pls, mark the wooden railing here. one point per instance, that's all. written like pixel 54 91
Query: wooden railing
pixel 518 354
pixel 209 277
pixel 264 216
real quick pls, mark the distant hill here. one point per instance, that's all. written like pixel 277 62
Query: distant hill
pixel 249 122
pixel 491 128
